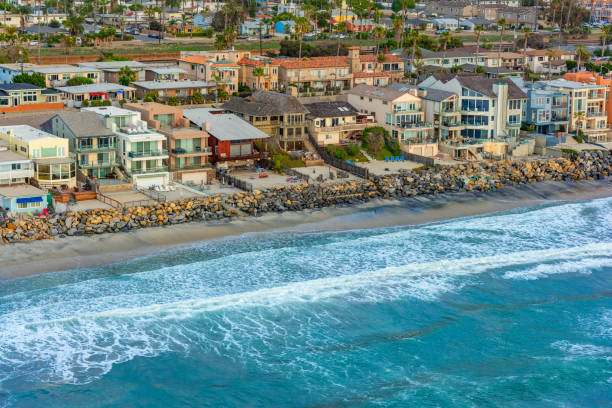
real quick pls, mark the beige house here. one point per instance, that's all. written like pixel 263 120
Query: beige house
pixel 545 61
pixel 259 74
pixel 335 122
pixel 59 75
pixel 509 60
pixel 53 166
pixel 224 73
pixel 400 112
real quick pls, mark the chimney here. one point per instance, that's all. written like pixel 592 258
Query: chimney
pixel 206 126
pixel 353 59
pixel 422 92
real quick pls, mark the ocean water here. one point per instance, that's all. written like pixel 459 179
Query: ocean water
pixel 512 309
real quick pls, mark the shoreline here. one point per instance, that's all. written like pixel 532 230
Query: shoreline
pixel 30 258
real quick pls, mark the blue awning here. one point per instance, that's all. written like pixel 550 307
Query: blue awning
pixel 29 200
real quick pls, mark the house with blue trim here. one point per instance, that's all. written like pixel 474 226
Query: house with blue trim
pixel 23 198
pixel 546 109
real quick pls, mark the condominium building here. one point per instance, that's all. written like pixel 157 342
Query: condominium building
pixel 141 150
pixel 224 73
pixel 490 108
pixel 53 165
pixel 182 90
pixel 587 109
pixel 545 109
pixel 601 10
pixel 55 75
pixel 548 61
pixel 400 112
pixel 595 79
pixel 280 116
pixel 94 145
pixel 188 149
pixel 448 59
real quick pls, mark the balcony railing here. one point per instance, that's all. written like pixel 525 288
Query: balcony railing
pixel 192 167
pixel 343 127
pixel 99 163
pixel 451 124
pixel 513 124
pixel 91 149
pixel 299 123
pixel 415 125
pixel 158 169
pixel 257 155
pixel 11 174
pixel 148 154
pixel 195 150
pixel 594 114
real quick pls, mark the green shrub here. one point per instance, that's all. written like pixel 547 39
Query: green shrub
pixel 122 102
pixel 106 102
pixel 352 149
pixel 85 103
pixel 173 101
pixel 79 81
pixel 96 103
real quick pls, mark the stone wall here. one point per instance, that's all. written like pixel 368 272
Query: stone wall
pixel 426 181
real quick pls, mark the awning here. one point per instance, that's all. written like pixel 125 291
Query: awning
pixel 29 200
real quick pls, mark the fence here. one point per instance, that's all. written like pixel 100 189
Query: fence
pixel 155 195
pixel 107 200
pixel 342 165
pixel 236 182
pixel 289 171
pixel 428 161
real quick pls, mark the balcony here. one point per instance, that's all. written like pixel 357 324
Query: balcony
pixel 158 169
pixel 196 150
pixel 11 174
pixel 200 166
pixel 342 127
pixel 253 156
pixel 595 114
pixel 96 164
pixel 421 125
pixel 291 124
pixel 513 124
pixel 451 124
pixel 138 155
pixel 97 149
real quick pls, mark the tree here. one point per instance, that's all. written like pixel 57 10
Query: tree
pixel 445 37
pixel 398 28
pixel 478 31
pixel 23 12
pixel 605 30
pixel 197 98
pixel 579 119
pixel 74 24
pixel 173 101
pixel 126 76
pixel 402 5
pixel 79 81
pixel 229 36
pixel 550 54
pixel 34 79
pixel 582 54
pixel 378 33
pixel 258 72
pixel 302 26
pixel 68 41
pixel 527 34
pixel 501 23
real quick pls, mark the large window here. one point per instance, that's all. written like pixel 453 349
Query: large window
pixel 475 105
pixel 29 96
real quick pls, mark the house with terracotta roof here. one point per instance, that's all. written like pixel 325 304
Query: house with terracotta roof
pixel 223 72
pixel 259 73
pixel 339 72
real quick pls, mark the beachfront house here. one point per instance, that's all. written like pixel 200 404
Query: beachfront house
pixel 78 95
pixel 141 150
pixel 335 122
pixel 23 198
pixel 14 168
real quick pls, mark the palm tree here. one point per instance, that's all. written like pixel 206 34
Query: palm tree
pixel 582 53
pixel 258 72
pixel 398 29
pixel 605 30
pixel 379 33
pixel 187 19
pixel 74 24
pixel 502 24
pixel 68 41
pixel 478 31
pixel 579 119
pixel 527 34
pixel 229 36
pixel 550 53
pixel 413 37
pixel 23 12
pixel 302 26
pixel 444 39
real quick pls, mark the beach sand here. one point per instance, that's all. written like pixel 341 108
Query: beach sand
pixel 30 258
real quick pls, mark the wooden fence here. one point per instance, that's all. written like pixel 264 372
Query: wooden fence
pixel 107 200
pixel 428 161
pixel 289 171
pixel 339 164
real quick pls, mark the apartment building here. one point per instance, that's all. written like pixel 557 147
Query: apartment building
pixel 14 168
pixel 27 97
pixel 94 145
pixel 601 10
pixel 595 79
pixel 540 62
pixel 278 115
pixel 111 69
pixel 335 122
pixel 400 112
pixel 141 150
pixel 188 149
pixel 587 109
pixel 547 110
pixel 520 16
pixel 442 109
pixel 232 138
pixel 75 96
pixel 183 90
pixel 258 74
pixel 333 73
pixel 490 108
pixel 53 165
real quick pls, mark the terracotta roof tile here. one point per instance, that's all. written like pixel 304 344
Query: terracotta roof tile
pixel 314 62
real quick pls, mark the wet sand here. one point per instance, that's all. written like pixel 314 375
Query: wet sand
pixel 30 258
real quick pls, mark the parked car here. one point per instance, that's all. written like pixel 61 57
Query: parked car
pixel 440 32
pixel 242 37
pixel 156 35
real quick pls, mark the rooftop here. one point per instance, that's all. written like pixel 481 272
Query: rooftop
pixel 330 109
pixel 224 126
pixel 173 84
pixel 84 124
pixel 26 118
pixel 109 111
pixel 103 87
pixel 166 70
pixel 386 94
pixel 431 94
pixel 17 87
pixel 113 65
pixel 26 133
pixel 9 156
pixel 482 84
pixel 564 83
pixel 59 69
pixel 265 103
pixel 21 190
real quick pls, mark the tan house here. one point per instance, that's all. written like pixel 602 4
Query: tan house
pixel 335 122
pixel 259 74
pixel 452 8
pixel 509 60
pixel 224 73
pixel 188 149
pixel 278 115
pixel 545 61
pixel 183 90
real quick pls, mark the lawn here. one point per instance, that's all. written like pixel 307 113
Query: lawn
pixel 349 152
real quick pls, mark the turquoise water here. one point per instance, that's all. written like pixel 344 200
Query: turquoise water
pixel 511 309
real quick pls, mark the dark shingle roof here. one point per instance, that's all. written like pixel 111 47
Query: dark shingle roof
pixel 330 109
pixel 83 124
pixel 482 84
pixel 17 87
pixel 265 103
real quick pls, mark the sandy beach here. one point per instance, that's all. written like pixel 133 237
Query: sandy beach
pixel 30 258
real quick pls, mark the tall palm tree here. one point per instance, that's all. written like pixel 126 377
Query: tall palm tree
pixel 605 30
pixel 68 41
pixel 379 33
pixel 444 39
pixel 579 119
pixel 258 72
pixel 526 35
pixel 302 26
pixel 582 53
pixel 502 24
pixel 413 38
pixel 229 36
pixel 478 31
pixel 398 29
pixel 550 53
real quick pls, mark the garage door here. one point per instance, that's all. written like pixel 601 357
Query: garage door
pixel 146 182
